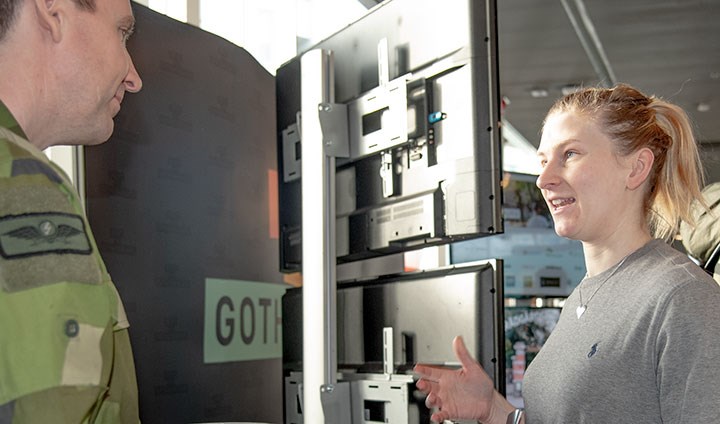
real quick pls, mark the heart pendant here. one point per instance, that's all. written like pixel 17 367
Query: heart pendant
pixel 580 310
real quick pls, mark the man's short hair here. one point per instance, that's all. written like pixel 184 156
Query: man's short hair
pixel 8 12
pixel 88 5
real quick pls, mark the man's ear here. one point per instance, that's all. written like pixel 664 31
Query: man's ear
pixel 51 16
pixel 642 162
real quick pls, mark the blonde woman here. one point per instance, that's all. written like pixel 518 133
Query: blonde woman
pixel 636 341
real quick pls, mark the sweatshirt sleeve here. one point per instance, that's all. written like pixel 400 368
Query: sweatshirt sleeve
pixel 688 354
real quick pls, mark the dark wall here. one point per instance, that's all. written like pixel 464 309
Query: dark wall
pixel 179 194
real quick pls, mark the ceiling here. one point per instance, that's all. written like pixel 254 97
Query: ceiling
pixel 669 48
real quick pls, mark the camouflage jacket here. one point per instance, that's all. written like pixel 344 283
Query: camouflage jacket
pixel 59 309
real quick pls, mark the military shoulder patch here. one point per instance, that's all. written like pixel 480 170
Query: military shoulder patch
pixel 35 234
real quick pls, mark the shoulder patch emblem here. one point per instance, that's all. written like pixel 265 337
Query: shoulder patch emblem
pixel 42 233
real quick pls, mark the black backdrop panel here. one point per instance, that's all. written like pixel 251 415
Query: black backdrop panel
pixel 180 193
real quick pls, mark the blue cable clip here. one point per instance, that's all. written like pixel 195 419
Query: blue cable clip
pixel 436 117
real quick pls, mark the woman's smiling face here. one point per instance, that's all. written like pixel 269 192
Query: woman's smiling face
pixel 583 181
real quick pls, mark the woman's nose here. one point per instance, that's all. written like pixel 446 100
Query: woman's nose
pixel 547 177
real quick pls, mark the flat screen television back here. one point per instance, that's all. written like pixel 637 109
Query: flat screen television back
pixel 425 309
pixel 418 80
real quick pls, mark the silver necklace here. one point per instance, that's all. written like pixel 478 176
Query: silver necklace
pixel 583 305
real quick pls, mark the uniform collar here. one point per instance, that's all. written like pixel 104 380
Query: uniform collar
pixel 8 121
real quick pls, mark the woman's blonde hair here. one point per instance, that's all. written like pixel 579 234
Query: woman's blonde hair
pixel 634 121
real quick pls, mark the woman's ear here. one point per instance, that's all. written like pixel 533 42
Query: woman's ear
pixel 642 162
pixel 51 17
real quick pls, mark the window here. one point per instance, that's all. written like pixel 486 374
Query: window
pixel 272 31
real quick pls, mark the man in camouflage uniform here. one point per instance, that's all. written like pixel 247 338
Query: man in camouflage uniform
pixel 65 354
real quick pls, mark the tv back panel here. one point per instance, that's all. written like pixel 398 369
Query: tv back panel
pixel 417 84
pixel 425 309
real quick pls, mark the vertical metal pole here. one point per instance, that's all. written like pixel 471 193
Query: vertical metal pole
pixel 79 177
pixel 318 235
pixel 585 30
pixel 193 12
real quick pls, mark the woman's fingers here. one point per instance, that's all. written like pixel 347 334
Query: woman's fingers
pixel 423 385
pixel 429 372
pixel 433 402
pixel 429 401
pixel 439 416
pixel 427 386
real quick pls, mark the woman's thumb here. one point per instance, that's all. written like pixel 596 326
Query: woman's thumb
pixel 462 353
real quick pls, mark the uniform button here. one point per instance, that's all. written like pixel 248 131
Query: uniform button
pixel 72 328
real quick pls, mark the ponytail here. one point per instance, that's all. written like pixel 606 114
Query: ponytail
pixel 678 183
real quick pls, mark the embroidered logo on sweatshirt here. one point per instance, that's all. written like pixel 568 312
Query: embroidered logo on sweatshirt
pixel 593 351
